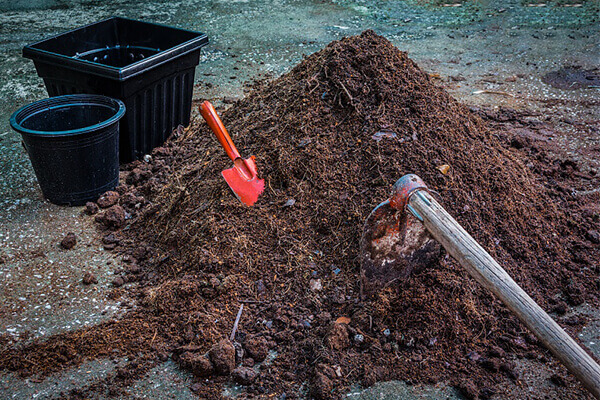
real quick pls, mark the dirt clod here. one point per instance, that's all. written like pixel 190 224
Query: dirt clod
pixel 338 338
pixel 322 386
pixel 91 208
pixel 222 355
pixel 593 236
pixel 197 363
pixel 468 389
pixel 108 199
pixel 69 241
pixel 118 281
pixel 244 375
pixel 89 278
pixel 558 380
pixel 111 238
pixel 257 347
pixel 114 217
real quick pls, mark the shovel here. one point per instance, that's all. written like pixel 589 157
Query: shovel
pixel 242 178
pixel 396 241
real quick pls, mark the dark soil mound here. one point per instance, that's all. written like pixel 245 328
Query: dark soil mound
pixel 333 135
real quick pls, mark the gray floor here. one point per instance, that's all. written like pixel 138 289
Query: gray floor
pixel 41 291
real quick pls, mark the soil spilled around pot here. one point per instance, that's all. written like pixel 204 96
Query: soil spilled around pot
pixel 330 138
pixel 571 78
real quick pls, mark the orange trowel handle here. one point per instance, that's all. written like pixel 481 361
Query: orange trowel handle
pixel 210 115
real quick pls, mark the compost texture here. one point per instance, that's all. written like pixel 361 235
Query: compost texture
pixel 330 138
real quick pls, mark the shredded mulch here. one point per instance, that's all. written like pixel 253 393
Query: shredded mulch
pixel 330 138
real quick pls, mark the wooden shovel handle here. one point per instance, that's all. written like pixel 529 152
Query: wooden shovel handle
pixel 210 116
pixel 490 274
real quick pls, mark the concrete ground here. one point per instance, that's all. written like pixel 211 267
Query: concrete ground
pixel 502 48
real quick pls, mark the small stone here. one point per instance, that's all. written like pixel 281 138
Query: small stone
pixel 222 355
pixel 379 136
pixel 108 199
pixel 118 281
pixel 244 375
pixel 290 203
pixel 305 323
pixel 69 241
pixel 257 347
pixel 91 208
pixel 315 284
pixel 89 278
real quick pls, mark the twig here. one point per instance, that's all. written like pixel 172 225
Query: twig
pixel 237 321
pixel 347 92
pixel 493 92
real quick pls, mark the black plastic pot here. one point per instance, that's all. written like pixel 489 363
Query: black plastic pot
pixel 148 66
pixel 73 145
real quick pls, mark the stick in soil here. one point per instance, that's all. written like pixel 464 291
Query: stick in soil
pixel 237 321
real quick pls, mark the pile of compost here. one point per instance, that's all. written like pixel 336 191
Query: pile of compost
pixel 330 138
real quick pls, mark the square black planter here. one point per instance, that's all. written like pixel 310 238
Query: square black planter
pixel 149 67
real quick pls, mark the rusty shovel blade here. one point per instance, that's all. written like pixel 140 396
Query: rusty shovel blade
pixel 393 245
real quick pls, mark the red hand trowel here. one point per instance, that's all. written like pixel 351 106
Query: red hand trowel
pixel 242 178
